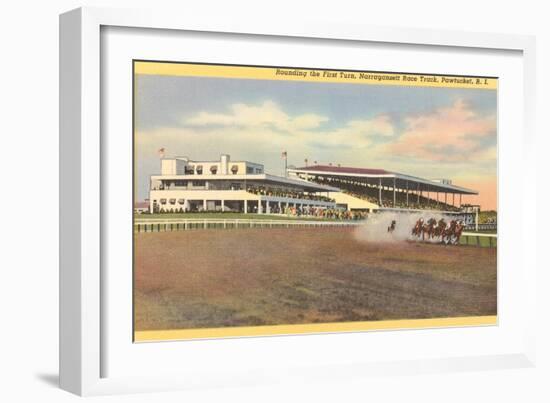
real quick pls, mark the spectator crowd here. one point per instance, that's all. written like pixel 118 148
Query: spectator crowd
pixel 371 194
pixel 262 190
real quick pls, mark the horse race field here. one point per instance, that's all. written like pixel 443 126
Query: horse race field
pixel 246 277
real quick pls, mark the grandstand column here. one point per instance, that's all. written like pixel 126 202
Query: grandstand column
pixel 380 191
pixel 223 206
pixel 280 208
pixel 394 192
pixel 259 207
pixel 418 193
pixel 267 208
pixel 245 206
pixel 407 193
pixel 204 205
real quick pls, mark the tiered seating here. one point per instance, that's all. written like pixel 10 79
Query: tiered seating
pixel 264 191
pixel 371 194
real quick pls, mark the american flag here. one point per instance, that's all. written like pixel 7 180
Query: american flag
pixel 161 152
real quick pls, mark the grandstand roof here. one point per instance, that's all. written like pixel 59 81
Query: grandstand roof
pixel 387 177
pixel 330 168
pixel 272 179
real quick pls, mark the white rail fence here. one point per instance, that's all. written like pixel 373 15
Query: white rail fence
pixel 467 238
pixel 479 239
pixel 481 227
pixel 192 224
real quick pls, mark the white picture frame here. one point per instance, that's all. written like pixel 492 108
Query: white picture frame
pixel 82 170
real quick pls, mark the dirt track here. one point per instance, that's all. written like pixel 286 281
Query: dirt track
pixel 215 278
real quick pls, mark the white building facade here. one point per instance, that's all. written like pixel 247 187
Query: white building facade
pixel 231 186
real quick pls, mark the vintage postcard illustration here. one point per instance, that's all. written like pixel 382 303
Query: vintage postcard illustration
pixel 285 200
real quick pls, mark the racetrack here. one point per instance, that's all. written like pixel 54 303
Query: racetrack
pixel 245 277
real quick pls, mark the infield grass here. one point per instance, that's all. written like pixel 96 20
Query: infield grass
pixel 222 216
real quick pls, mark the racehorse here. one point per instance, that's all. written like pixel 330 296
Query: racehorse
pixel 416 231
pixel 448 233
pixel 429 228
pixel 439 231
pixel 457 232
pixel 453 232
pixel 392 226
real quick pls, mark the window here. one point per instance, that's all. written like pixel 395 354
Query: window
pixel 234 169
pixel 214 169
pixel 198 169
pixel 162 201
pixel 181 201
pixel 172 201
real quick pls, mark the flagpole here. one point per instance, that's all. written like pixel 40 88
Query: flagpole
pixel 161 156
pixel 286 163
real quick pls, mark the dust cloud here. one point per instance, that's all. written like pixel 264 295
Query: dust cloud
pixel 375 228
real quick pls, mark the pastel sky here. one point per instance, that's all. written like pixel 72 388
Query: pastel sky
pixel 427 132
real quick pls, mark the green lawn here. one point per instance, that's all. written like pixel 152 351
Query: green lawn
pixel 486 231
pixel 221 216
pixel 482 241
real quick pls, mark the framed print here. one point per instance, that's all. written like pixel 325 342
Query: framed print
pixel 318 200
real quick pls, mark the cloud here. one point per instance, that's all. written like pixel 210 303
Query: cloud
pixel 265 115
pixel 454 134
pixel 380 125
pixel 449 134
pixel 354 134
pixel 252 124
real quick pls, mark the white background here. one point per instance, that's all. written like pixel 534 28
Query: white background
pixel 29 256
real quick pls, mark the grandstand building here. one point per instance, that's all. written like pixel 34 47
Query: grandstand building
pixel 373 189
pixel 239 186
